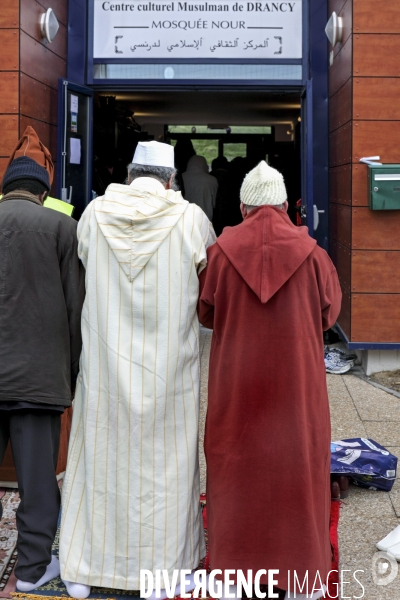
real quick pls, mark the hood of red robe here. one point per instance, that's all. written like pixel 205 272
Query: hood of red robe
pixel 266 249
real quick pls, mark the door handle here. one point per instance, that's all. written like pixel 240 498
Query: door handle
pixel 316 216
pixel 64 196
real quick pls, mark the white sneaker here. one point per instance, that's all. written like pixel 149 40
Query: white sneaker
pixel 333 364
pixel 391 539
pixel 77 590
pixel 394 551
pixel 52 570
pixel 345 356
pixel 189 586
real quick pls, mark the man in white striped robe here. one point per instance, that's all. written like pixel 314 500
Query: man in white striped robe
pixel 131 491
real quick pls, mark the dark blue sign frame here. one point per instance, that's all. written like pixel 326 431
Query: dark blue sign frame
pixel 195 82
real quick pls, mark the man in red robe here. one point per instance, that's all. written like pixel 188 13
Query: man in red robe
pixel 268 293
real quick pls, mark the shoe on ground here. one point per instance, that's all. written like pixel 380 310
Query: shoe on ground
pixel 334 365
pixel 52 570
pixel 336 356
pixel 392 539
pixel 77 590
pixel 394 551
pixel 341 353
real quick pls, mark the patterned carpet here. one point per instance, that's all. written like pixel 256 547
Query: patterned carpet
pixel 8 535
pixel 56 589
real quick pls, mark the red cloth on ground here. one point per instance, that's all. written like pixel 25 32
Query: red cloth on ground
pixel 268 292
pixel 333 581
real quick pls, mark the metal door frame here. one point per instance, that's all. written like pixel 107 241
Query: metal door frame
pixel 307 158
pixel 64 86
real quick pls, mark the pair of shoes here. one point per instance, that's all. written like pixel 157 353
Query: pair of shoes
pixel 391 543
pixel 80 590
pixel 342 354
pixel 334 364
pixel 52 570
pixel 77 590
pixel 337 354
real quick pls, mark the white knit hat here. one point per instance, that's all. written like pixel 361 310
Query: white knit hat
pixel 154 154
pixel 263 185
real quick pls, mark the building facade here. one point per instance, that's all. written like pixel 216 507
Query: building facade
pixel 346 95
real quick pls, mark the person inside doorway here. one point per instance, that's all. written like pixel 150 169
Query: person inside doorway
pixel 268 292
pixel 200 187
pixel 40 344
pixel 183 152
pixel 220 167
pixel 102 174
pixel 237 170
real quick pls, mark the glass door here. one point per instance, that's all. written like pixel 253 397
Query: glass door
pixel 75 118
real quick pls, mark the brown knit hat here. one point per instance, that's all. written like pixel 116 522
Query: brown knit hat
pixel 30 145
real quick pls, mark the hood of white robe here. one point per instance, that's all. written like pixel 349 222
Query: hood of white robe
pixel 136 219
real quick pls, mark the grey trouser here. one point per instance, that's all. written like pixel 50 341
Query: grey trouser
pixel 35 439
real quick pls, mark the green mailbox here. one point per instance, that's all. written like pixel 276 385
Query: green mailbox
pixel 384 187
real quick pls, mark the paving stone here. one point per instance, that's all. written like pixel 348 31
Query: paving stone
pixel 358 409
pixel 335 384
pixel 395 491
pixel 366 517
pixel 345 422
pixel 386 433
pixel 340 396
pixel 372 403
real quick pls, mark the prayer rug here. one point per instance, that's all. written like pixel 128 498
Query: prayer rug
pixel 333 582
pixel 8 534
pixel 55 589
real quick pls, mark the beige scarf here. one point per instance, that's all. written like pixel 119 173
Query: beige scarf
pixel 21 195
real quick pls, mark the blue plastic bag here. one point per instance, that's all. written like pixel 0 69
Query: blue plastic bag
pixel 368 463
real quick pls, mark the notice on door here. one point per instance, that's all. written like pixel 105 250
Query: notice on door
pixel 233 30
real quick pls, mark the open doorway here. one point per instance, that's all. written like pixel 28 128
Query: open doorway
pixel 233 130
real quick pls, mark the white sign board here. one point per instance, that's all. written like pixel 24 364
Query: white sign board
pixel 236 29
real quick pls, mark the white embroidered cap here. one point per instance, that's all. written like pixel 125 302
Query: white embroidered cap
pixel 263 185
pixel 154 154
